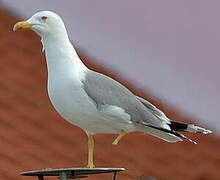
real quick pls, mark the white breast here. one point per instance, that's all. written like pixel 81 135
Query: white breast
pixel 65 75
pixel 70 100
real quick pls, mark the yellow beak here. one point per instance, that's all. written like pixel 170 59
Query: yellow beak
pixel 23 25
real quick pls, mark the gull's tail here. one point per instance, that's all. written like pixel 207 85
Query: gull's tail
pixel 169 131
pixel 177 126
pixel 173 134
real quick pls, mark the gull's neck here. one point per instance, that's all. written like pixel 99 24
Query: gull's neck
pixel 61 56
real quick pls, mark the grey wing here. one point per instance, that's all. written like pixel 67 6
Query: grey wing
pixel 107 93
pixel 154 110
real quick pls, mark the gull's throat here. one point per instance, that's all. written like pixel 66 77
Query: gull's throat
pixel 43 49
pixel 61 58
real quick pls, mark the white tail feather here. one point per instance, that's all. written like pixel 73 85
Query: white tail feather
pixel 195 129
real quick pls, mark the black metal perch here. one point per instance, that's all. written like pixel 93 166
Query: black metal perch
pixel 72 173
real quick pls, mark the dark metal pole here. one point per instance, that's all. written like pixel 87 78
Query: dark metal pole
pixel 40 177
pixel 114 176
pixel 63 176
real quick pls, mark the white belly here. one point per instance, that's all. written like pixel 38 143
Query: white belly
pixel 73 104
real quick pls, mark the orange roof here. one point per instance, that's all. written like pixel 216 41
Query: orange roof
pixel 34 136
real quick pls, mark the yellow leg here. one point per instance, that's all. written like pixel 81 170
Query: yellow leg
pixel 121 134
pixel 90 151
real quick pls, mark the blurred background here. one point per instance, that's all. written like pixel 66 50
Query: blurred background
pixel 165 51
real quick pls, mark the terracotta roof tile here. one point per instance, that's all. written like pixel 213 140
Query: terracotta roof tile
pixel 33 135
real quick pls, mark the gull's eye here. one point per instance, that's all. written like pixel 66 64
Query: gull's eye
pixel 44 18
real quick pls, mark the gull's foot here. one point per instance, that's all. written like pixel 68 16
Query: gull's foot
pixel 120 135
pixel 47 168
pixel 115 142
pixel 90 166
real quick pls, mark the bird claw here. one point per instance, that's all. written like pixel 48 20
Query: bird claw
pixel 115 142
pixel 48 168
pixel 90 166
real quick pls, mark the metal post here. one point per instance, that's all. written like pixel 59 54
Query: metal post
pixel 63 176
pixel 40 177
pixel 114 175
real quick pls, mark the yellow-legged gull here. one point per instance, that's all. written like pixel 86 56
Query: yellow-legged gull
pixel 93 101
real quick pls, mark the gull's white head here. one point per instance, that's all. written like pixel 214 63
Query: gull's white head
pixel 44 23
